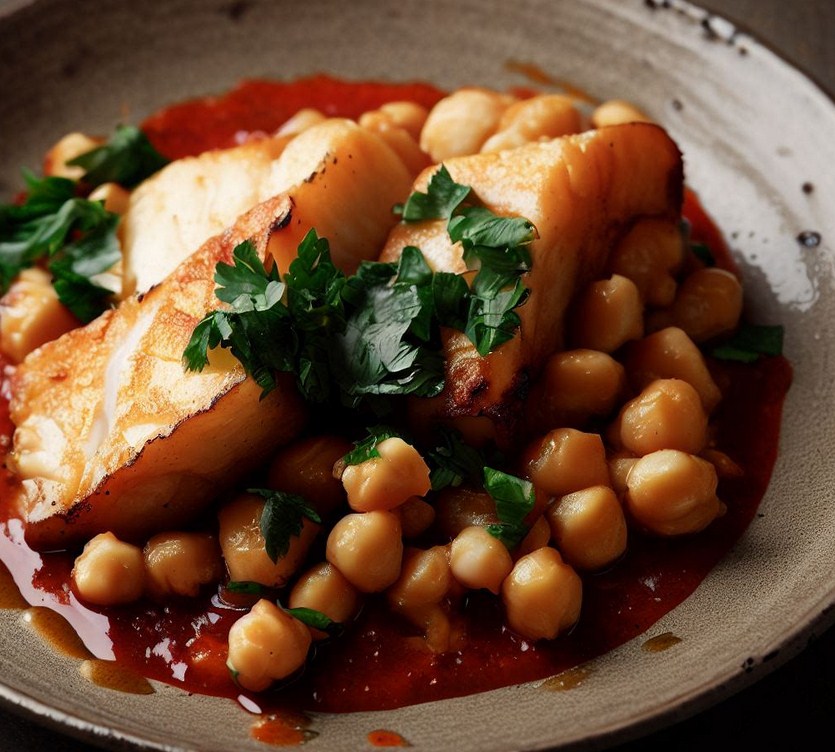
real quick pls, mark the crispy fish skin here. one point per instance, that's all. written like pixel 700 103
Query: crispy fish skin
pixel 112 434
pixel 583 193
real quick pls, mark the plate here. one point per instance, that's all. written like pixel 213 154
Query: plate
pixel 756 135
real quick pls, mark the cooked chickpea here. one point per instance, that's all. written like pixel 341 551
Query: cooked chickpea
pixel 109 572
pixel 459 508
pixel 671 354
pixel 460 123
pixel 542 596
pixel 116 199
pixel 543 117
pixel 425 578
pixel 617 112
pixel 385 482
pixel 179 563
pixel 673 493
pixel 368 549
pixel 306 468
pixel 567 460
pixel 244 547
pixel 266 645
pixel 399 139
pixel 620 463
pixel 538 536
pixel 65 150
pixel 708 304
pixel 325 589
pixel 589 527
pixel 650 254
pixel 575 386
pixel 479 560
pixel 31 314
pixel 608 314
pixel 667 414
pixel 407 115
pixel 301 121
pixel 416 516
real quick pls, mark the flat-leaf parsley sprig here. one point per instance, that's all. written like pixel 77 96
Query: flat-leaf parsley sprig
pixel 376 333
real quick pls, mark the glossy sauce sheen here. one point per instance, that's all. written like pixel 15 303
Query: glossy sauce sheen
pixel 380 663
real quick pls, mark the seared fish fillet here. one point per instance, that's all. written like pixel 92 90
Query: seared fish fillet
pixel 582 192
pixel 113 435
pixel 190 200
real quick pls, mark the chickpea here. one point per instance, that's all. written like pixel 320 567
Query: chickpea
pixel 109 572
pixel 479 560
pixel 608 314
pixel 460 123
pixel 416 516
pixel 589 527
pixel 620 463
pixel 538 536
pixel 567 460
pixel 31 314
pixel 671 354
pixel 544 117
pixel 410 116
pixel 385 482
pixel 617 112
pixel 459 508
pixel 65 150
pixel 116 199
pixel 425 578
pixel 542 596
pixel 306 468
pixel 708 304
pixel 575 386
pixel 368 549
pixel 266 645
pixel 399 139
pixel 673 493
pixel 244 547
pixel 650 254
pixel 325 589
pixel 180 563
pixel 667 414
pixel 301 121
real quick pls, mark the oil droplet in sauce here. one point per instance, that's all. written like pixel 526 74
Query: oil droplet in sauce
pixel 111 675
pixel 56 631
pixel 566 680
pixel 283 729
pixel 661 642
pixel 10 597
pixel 386 738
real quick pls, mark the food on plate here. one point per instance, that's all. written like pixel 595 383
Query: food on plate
pixel 434 372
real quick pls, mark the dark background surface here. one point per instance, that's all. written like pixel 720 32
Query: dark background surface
pixel 795 705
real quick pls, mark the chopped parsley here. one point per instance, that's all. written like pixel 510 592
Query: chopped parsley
pixel 514 499
pixel 282 519
pixel 73 236
pixel 750 342
pixel 317 620
pixel 452 462
pixel 366 448
pixel 355 339
pixel 127 159
pixel 245 587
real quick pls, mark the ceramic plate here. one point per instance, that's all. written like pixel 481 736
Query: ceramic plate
pixel 753 131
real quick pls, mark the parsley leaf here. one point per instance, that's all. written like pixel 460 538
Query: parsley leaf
pixel 443 195
pixel 514 499
pixel 245 587
pixel 281 519
pixel 366 448
pixel 316 619
pixel 453 462
pixel 750 342
pixel 127 158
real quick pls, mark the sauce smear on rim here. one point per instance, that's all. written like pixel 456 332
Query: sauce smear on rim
pixel 381 663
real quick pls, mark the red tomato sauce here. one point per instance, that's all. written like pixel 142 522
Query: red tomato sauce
pixel 380 662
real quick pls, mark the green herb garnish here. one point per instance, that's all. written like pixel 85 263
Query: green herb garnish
pixel 282 519
pixel 514 499
pixel 366 448
pixel 452 462
pixel 750 342
pixel 127 159
pixel 443 196
pixel 245 587
pixel 317 620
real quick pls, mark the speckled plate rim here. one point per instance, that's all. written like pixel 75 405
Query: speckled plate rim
pixel 765 649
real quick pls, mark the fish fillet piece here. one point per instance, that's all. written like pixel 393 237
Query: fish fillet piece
pixel 582 192
pixel 112 434
pixel 190 200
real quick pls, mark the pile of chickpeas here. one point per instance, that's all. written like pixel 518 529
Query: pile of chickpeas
pixel 621 420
